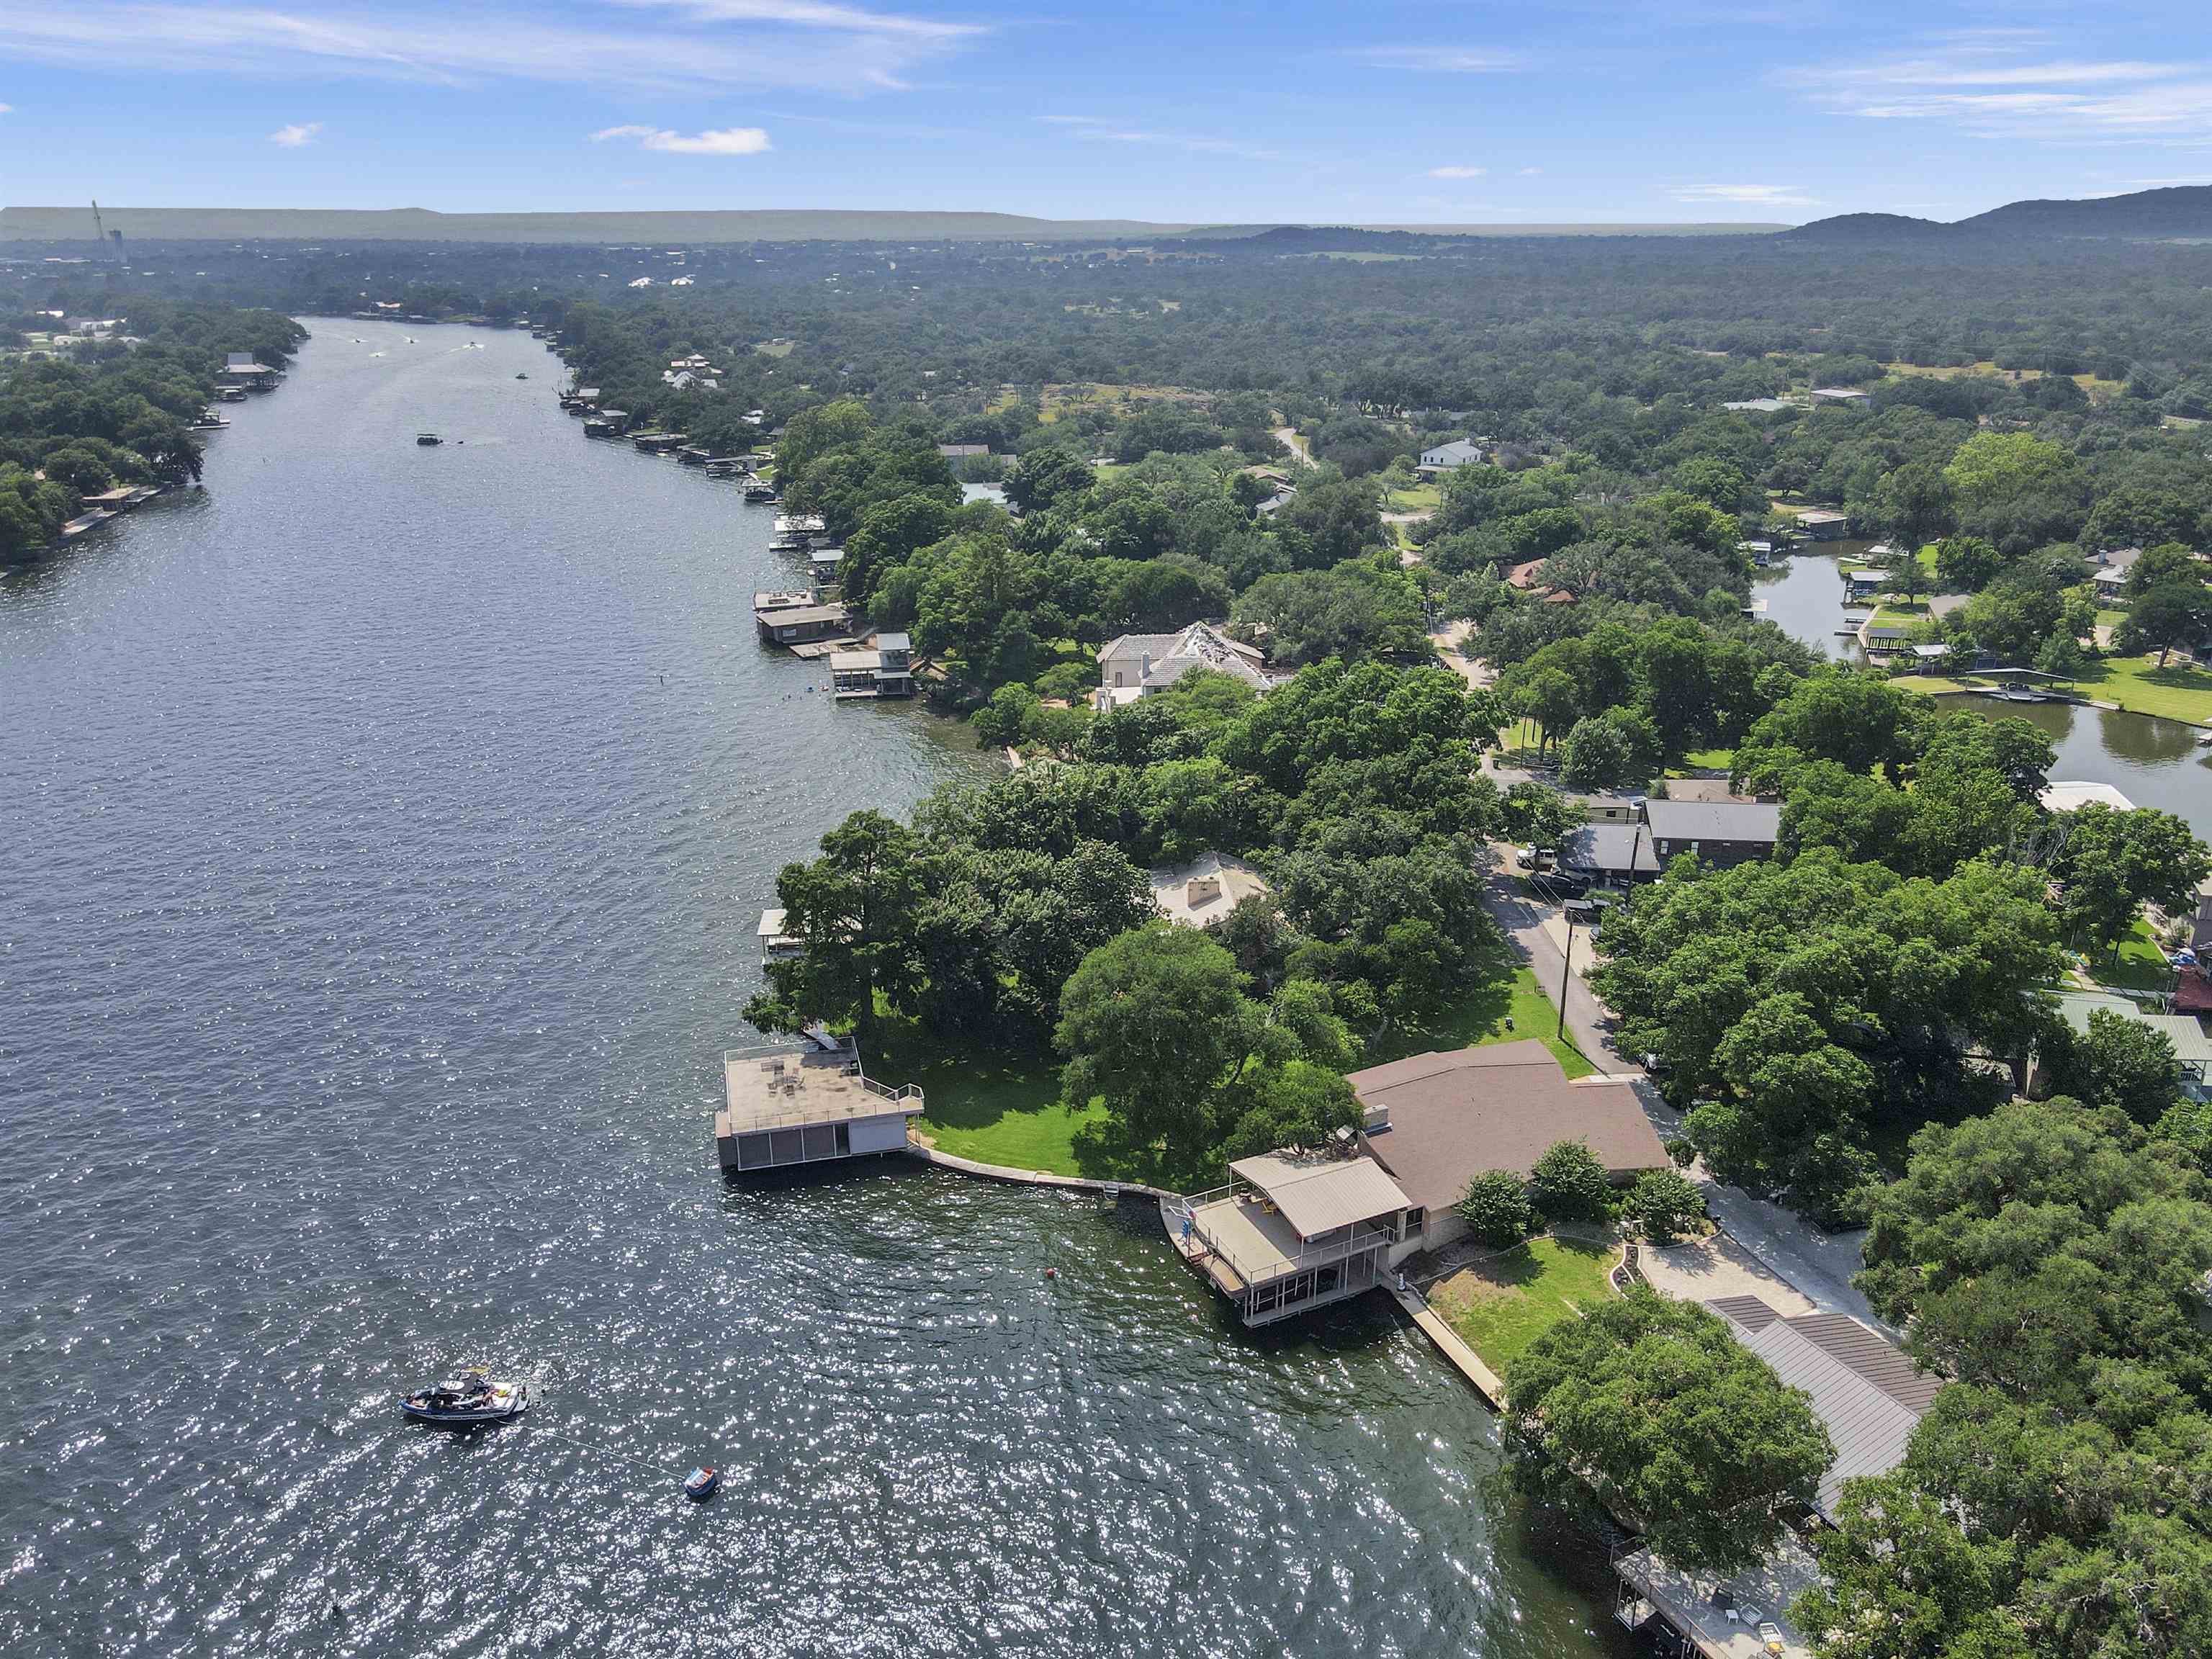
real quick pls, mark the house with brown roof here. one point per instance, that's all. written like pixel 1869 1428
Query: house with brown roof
pixel 1436 1121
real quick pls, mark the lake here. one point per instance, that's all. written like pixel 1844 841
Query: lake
pixel 2155 763
pixel 387 829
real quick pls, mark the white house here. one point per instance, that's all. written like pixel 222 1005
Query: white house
pixel 1137 664
pixel 1460 451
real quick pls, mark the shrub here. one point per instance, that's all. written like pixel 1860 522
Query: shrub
pixel 1497 1209
pixel 1665 1204
pixel 1570 1184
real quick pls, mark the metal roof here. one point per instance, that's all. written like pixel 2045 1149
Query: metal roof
pixel 1319 1194
pixel 1755 821
pixel 1865 1388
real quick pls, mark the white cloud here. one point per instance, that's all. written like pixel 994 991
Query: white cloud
pixel 1748 195
pixel 1999 84
pixel 1457 172
pixel 800 14
pixel 703 46
pixel 1199 143
pixel 298 133
pixel 1439 60
pixel 728 141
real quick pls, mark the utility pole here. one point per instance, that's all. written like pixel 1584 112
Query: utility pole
pixel 1566 966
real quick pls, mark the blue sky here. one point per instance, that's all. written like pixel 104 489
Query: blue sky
pixel 1373 113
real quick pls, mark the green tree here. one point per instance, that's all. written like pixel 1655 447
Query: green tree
pixel 1915 506
pixel 2027 1247
pixel 2163 565
pixel 2121 1062
pixel 2112 863
pixel 1967 564
pixel 1153 1023
pixel 1497 1208
pixel 1570 1184
pixel 2163 619
pixel 1665 1204
pixel 1672 1420
pixel 853 911
pixel 1901 1580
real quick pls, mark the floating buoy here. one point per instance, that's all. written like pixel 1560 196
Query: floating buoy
pixel 699 1485
pixel 1052 1272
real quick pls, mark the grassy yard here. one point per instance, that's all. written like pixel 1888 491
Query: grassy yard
pixel 1479 1019
pixel 1421 498
pixel 1501 1306
pixel 982 1104
pixel 1708 760
pixel 2138 684
pixel 2139 966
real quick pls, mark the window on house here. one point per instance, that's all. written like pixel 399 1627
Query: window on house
pixel 1417 1219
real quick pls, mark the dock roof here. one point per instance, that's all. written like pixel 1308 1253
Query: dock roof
pixel 1319 1194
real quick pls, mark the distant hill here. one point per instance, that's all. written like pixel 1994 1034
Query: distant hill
pixel 2184 211
pixel 1866 228
pixel 73 224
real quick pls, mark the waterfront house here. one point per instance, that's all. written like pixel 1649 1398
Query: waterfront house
pixel 1841 396
pixel 1865 585
pixel 774 941
pixel 1870 1397
pixel 1822 523
pixel 240 370
pixel 793 618
pixel 882 668
pixel 1205 890
pixel 1136 665
pixel 1289 1233
pixel 1714 832
pixel 824 561
pixel 1436 1121
pixel 963 452
pixel 1443 457
pixel 805 1102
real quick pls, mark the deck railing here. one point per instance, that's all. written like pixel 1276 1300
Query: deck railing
pixel 1365 1236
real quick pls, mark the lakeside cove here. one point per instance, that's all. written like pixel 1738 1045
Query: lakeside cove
pixel 412 787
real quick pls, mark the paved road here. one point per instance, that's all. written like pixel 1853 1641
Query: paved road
pixel 1819 1264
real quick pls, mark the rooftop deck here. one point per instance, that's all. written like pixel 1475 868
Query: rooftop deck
pixel 1723 1618
pixel 787 1086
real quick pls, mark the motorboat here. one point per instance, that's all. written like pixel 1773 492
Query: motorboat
pixel 427 439
pixel 473 1397
pixel 702 1484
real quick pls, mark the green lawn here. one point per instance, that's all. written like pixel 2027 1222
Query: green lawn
pixel 1716 760
pixel 983 1104
pixel 1419 498
pixel 2138 684
pixel 1927 683
pixel 1502 1306
pixel 1478 1019
pixel 2139 966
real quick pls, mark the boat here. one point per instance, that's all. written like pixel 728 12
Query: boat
pixel 758 491
pixel 427 439
pixel 473 1397
pixel 701 1484
pixel 521 376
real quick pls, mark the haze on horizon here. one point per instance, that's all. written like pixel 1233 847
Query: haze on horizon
pixel 1399 114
